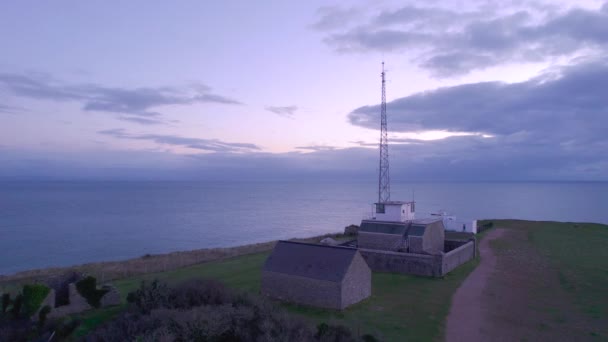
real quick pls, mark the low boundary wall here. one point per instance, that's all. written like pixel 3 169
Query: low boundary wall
pixel 456 257
pixel 407 263
pixel 420 264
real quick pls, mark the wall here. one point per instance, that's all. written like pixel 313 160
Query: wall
pixel 458 256
pixel 450 245
pixel 434 237
pixel 420 264
pixel 453 224
pixel 357 284
pixel 406 212
pixel 406 263
pixel 301 290
pixel 379 241
pixel 79 304
pixel 392 213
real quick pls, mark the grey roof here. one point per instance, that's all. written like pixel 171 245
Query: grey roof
pixel 417 231
pixel 394 202
pixel 321 262
pixel 426 220
pixel 372 226
pixel 419 225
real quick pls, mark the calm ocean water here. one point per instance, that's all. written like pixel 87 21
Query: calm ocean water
pixel 64 223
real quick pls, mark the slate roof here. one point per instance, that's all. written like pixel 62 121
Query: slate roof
pixel 419 225
pixel 417 231
pixel 397 228
pixel 426 220
pixel 329 263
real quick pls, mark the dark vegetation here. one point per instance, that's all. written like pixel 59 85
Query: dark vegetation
pixel 19 322
pixel 87 288
pixel 33 295
pixel 206 310
pixel 484 225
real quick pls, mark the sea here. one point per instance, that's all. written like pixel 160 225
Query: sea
pixel 51 223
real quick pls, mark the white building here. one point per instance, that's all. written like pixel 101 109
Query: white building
pixel 394 211
pixel 457 225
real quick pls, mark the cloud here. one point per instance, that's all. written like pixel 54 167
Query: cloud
pixel 142 121
pixel 286 111
pixel 573 100
pixel 553 125
pixel 9 109
pixel 136 101
pixel 450 42
pixel 332 17
pixel 209 145
pixel 316 148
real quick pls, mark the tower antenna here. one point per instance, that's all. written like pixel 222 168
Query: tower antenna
pixel 384 186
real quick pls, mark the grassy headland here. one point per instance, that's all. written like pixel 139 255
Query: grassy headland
pixel 554 276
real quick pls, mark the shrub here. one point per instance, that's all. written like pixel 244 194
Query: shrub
pixel 6 301
pixel 353 229
pixel 334 333
pixel 149 297
pixel 197 292
pixel 205 310
pixel 33 295
pixel 16 307
pixel 42 316
pixel 87 288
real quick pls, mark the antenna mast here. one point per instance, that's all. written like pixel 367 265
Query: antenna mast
pixel 384 187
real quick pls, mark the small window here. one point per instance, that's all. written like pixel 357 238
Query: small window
pixel 379 208
pixel 403 211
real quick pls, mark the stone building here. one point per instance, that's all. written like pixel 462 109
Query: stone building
pixel 317 275
pixel 425 236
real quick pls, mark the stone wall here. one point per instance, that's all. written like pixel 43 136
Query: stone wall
pixel 450 245
pixel 406 263
pixel 301 290
pixel 379 241
pixel 79 304
pixel 357 284
pixel 434 237
pixel 458 256
pixel 415 244
pixel 420 264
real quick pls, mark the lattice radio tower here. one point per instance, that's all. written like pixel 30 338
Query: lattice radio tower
pixel 384 179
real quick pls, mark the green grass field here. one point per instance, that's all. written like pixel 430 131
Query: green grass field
pixel 414 308
pixel 400 307
pixel 580 252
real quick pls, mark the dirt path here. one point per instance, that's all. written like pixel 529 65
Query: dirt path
pixel 466 314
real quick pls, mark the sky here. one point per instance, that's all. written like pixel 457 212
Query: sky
pixel 476 90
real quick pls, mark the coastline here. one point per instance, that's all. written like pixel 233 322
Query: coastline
pixel 150 263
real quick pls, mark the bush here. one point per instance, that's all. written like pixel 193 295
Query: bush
pixel 149 297
pixel 42 316
pixel 198 293
pixel 6 301
pixel 485 226
pixel 87 288
pixel 33 295
pixel 351 230
pixel 16 307
pixel 334 333
pixel 205 310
